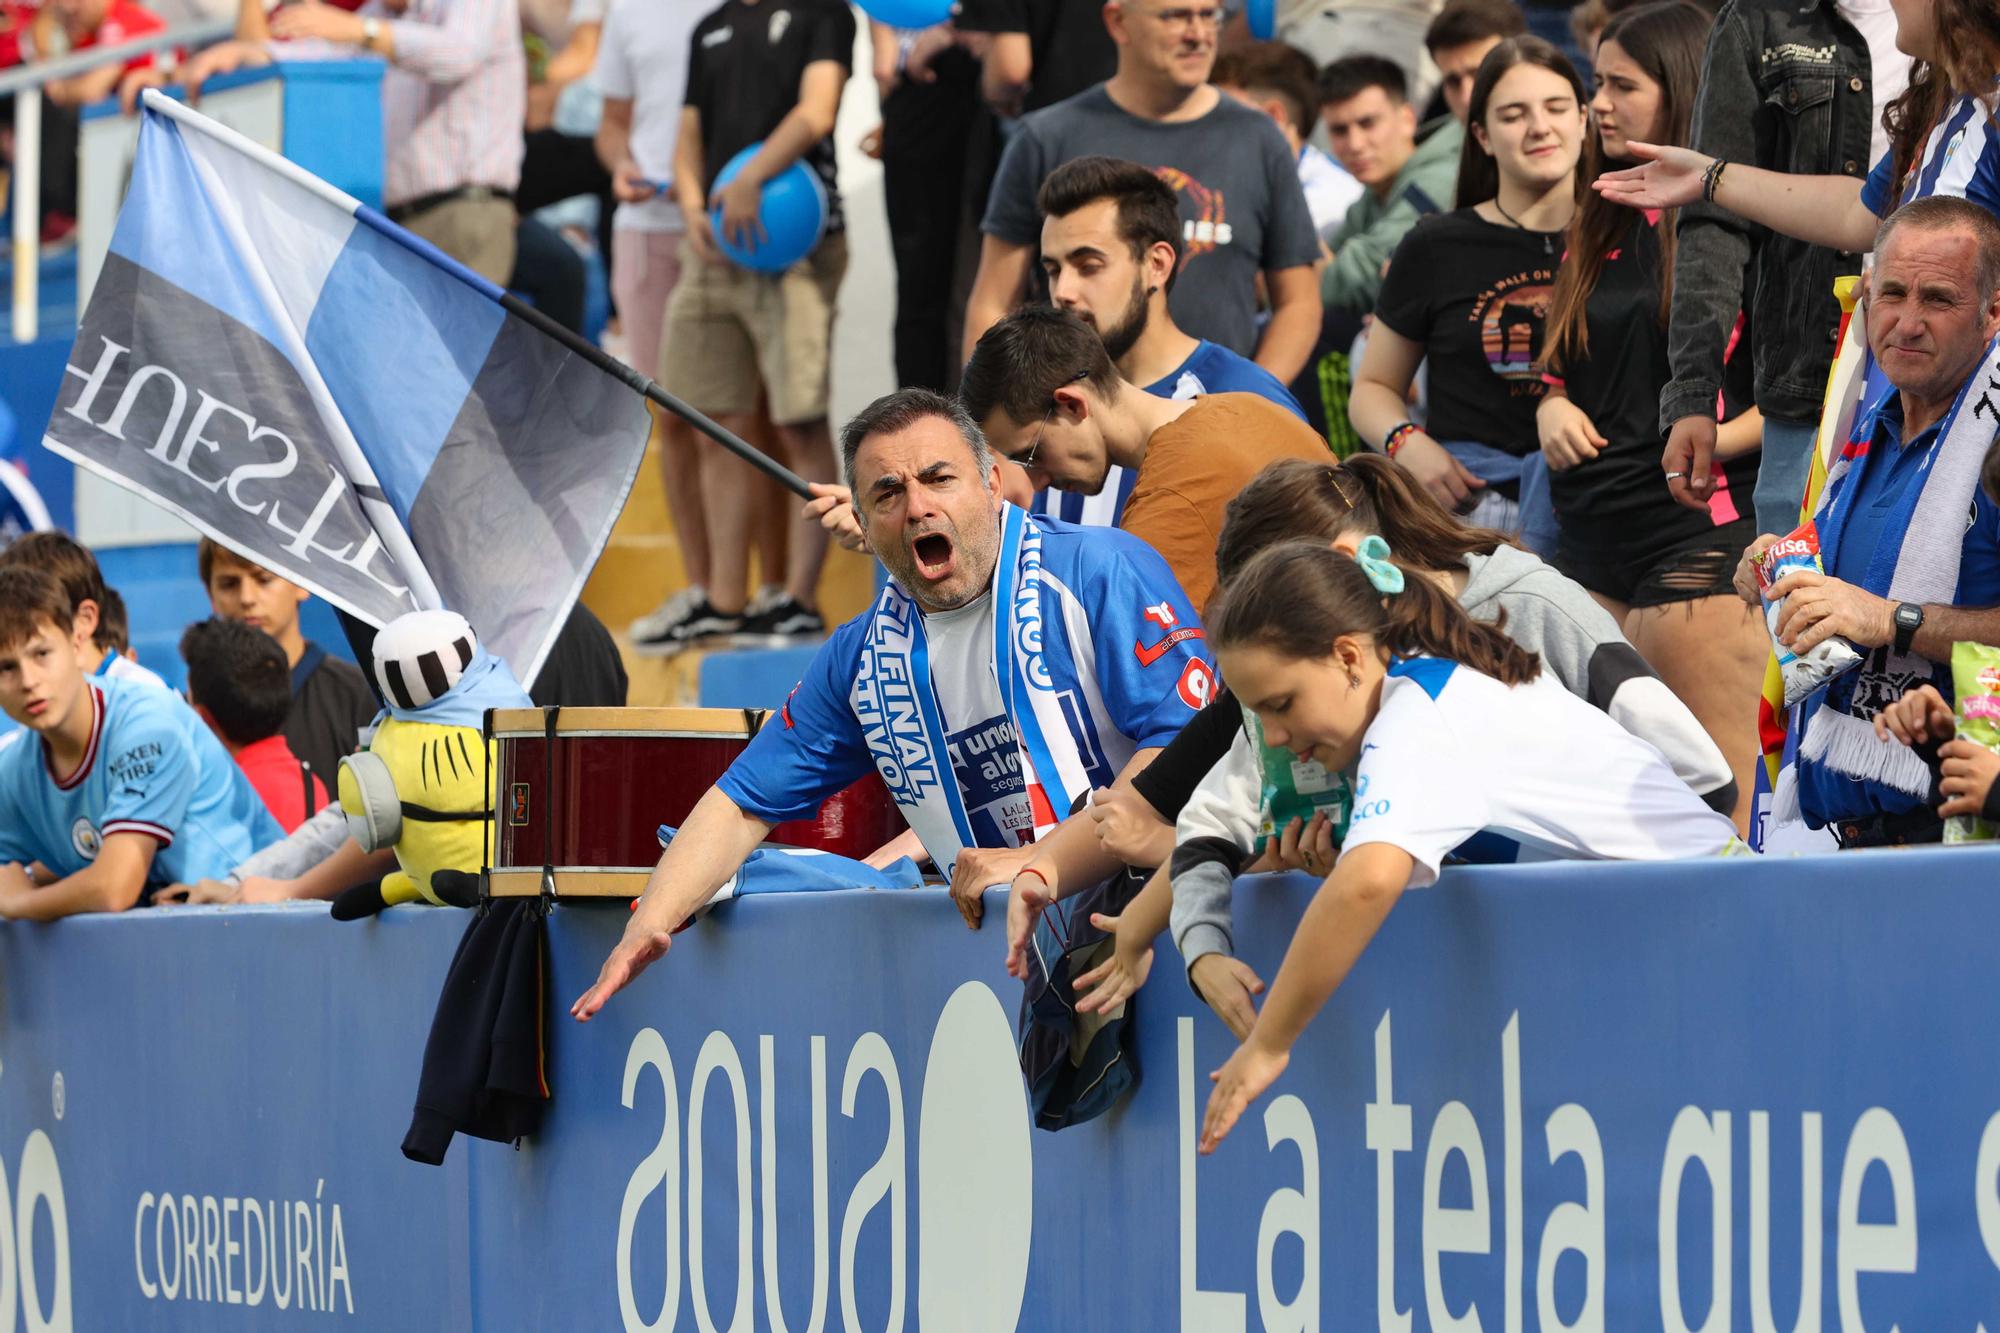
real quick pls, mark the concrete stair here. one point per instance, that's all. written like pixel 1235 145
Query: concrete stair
pixel 641 567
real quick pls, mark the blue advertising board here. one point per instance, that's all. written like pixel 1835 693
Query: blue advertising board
pixel 1738 1094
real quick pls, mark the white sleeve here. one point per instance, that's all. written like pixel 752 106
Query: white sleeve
pixel 612 74
pixel 1412 788
pixel 1226 803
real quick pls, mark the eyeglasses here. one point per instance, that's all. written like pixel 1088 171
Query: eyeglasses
pixel 1210 17
pixel 1027 459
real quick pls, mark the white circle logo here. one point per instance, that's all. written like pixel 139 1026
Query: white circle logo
pixel 975 1171
pixel 83 836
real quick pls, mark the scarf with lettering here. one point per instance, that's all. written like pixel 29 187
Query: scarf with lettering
pixel 896 703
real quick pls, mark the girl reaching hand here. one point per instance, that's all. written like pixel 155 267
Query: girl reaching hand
pixel 1449 729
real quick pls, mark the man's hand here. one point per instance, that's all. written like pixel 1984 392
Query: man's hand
pixel 1228 986
pixel 931 43
pixel 629 184
pixel 1668 178
pixel 1746 569
pixel 1689 461
pixel 701 237
pixel 1817 608
pixel 137 81
pixel 644 943
pixel 1027 899
pixel 1129 828
pixel 740 200
pixel 1238 1083
pixel 979 869
pixel 832 507
pixel 1438 472
pixel 1969 769
pixel 1118 978
pixel 1568 436
pixel 311 20
pixel 1919 717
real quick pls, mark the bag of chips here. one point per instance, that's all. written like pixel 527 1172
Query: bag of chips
pixel 1295 788
pixel 1802 674
pixel 1975 681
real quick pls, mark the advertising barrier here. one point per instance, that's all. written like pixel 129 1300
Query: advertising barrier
pixel 1705 1096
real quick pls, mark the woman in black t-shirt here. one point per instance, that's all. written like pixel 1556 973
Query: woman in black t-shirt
pixel 1664 570
pixel 1467 292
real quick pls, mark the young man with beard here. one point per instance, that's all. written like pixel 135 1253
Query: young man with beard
pixel 1049 399
pixel 1242 211
pixel 1102 664
pixel 1111 251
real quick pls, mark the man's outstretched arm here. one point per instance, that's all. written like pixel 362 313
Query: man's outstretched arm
pixel 709 848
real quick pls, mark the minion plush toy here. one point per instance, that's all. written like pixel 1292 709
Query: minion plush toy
pixel 422 786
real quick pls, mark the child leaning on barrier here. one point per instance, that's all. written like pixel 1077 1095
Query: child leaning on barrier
pixel 1450 730
pixel 1207 785
pixel 1966 770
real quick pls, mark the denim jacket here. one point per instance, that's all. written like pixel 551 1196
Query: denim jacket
pixel 1785 87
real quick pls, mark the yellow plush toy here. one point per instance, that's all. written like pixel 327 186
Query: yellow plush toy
pixel 423 786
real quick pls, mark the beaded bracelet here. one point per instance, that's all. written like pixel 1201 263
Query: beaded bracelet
pixel 1399 437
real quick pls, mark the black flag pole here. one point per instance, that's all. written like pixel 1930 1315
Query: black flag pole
pixel 644 387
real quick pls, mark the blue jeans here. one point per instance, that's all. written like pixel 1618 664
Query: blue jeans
pixel 1532 516
pixel 1782 473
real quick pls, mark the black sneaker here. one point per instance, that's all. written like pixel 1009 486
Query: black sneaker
pixel 782 620
pixel 702 621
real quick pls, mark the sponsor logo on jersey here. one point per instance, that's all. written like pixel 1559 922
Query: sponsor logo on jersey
pixel 1197 684
pixel 1148 656
pixel 1162 615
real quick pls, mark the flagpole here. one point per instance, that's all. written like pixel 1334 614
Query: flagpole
pixel 646 388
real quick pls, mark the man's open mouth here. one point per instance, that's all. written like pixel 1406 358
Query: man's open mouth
pixel 933 553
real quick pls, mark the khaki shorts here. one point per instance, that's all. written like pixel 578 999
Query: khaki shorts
pixel 730 330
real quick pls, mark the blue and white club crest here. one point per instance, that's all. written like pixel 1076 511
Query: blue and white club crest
pixel 83 836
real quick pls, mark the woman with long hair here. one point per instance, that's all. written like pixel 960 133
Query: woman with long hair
pixel 1663 570
pixel 1201 799
pixel 1466 294
pixel 1450 730
pixel 1943 137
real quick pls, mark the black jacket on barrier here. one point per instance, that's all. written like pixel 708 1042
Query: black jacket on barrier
pixel 485 1068
pixel 1786 86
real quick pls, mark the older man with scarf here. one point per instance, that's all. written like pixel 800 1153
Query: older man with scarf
pixel 1012 665
pixel 1910 544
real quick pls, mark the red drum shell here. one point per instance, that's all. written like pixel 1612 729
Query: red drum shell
pixel 620 773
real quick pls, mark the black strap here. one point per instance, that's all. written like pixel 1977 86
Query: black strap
pixel 549 805
pixel 306 782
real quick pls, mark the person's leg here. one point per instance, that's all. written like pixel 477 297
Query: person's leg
pixel 774 510
pixel 478 233
pixel 924 132
pixel 1782 470
pixel 795 354
pixel 550 271
pixel 709 361
pixel 808 449
pixel 1710 649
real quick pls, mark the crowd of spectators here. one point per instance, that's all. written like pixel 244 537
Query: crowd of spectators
pixel 1455 365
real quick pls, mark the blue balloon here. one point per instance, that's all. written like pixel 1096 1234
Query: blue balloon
pixel 908 13
pixel 1263 18
pixel 793 209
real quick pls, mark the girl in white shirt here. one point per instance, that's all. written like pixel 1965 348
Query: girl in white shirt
pixel 1450 730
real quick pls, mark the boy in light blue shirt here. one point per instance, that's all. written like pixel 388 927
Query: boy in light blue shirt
pixel 114 788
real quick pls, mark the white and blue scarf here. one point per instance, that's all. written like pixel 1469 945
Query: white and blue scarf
pixel 896 703
pixel 1923 568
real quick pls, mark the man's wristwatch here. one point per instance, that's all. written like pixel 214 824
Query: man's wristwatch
pixel 1909 619
pixel 371 33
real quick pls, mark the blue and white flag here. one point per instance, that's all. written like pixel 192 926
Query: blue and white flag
pixel 336 400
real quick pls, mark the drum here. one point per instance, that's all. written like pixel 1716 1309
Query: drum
pixel 585 790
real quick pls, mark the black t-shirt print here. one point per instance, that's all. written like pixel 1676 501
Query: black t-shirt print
pixel 745 62
pixel 1475 295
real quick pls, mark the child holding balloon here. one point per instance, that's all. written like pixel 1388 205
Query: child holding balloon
pixel 1449 730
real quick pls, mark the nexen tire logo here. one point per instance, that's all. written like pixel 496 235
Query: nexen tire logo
pixel 975 1178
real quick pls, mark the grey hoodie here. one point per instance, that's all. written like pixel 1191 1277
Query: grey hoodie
pixel 1547 613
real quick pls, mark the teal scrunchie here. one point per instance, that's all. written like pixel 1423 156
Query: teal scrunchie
pixel 1373 557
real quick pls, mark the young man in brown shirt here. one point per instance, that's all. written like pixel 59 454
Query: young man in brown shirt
pixel 1046 394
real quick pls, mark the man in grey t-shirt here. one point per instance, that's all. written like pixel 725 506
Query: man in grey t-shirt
pixel 1241 206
